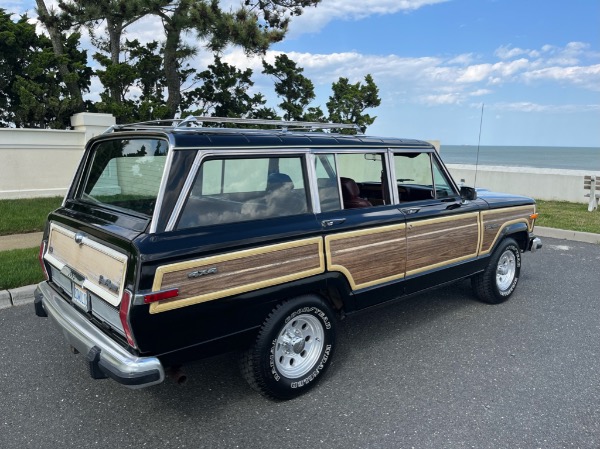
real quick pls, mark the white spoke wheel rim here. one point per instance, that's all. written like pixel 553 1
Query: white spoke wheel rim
pixel 299 346
pixel 506 270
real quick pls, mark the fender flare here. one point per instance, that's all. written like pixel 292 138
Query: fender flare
pixel 519 231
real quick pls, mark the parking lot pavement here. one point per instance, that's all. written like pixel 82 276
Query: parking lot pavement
pixel 438 370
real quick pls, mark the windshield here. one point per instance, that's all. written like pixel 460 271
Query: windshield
pixel 125 174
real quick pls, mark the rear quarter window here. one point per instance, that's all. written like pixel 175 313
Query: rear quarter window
pixel 229 190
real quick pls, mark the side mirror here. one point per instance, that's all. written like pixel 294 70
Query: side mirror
pixel 468 193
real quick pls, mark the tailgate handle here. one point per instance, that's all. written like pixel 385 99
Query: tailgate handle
pixel 332 222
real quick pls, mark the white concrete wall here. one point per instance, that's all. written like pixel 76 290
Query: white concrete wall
pixel 41 162
pixel 36 163
pixel 539 183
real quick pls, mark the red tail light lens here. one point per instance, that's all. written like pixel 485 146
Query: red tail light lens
pixel 159 296
pixel 124 315
pixel 41 259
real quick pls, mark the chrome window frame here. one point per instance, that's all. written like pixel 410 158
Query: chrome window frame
pixel 230 152
pixel 433 156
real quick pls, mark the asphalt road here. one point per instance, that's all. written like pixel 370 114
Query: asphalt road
pixel 436 371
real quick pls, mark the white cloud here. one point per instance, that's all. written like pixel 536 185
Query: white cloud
pixel 545 108
pixel 476 73
pixel 505 52
pixel 587 77
pixel 480 92
pixel 315 19
pixel 464 59
pixel 434 80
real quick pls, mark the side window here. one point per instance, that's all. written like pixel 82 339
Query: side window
pixel 443 187
pixel 242 189
pixel 329 192
pixel 419 177
pixel 362 180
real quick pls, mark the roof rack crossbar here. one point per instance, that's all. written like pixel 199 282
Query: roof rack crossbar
pixel 284 125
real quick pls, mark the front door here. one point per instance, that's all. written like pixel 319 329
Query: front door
pixel 442 230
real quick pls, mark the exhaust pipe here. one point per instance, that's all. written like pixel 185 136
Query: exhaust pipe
pixel 176 373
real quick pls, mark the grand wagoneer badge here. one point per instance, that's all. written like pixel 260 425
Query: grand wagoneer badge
pixel 108 284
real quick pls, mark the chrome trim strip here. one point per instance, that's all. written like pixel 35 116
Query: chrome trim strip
pixel 185 191
pixel 312 183
pixel 83 336
pixel 163 184
pixel 391 176
pixel 201 155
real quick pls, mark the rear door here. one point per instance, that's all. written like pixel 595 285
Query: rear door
pixel 365 235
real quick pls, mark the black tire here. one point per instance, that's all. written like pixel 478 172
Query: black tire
pixel 498 281
pixel 293 348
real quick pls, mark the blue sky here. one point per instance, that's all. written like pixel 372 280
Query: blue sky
pixel 535 64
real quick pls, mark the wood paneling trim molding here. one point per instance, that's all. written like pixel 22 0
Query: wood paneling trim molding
pixel 368 257
pixel 238 272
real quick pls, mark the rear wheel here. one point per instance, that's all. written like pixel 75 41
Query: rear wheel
pixel 293 348
pixel 499 280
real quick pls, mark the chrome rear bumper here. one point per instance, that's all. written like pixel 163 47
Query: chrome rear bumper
pixel 106 358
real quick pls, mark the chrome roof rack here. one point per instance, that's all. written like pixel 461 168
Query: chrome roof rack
pixel 200 121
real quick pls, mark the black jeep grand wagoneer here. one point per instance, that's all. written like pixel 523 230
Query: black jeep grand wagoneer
pixel 178 241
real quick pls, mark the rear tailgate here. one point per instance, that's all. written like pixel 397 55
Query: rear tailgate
pixel 88 264
pixel 90 274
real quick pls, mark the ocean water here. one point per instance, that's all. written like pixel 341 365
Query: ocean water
pixel 570 158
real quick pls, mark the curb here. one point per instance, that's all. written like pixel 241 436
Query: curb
pixel 24 295
pixel 585 237
pixel 17 296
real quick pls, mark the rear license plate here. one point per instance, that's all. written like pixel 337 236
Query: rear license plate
pixel 80 298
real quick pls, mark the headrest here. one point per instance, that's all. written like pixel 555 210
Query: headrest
pixel 278 180
pixel 349 188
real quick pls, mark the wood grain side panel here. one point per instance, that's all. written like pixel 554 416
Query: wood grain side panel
pixel 89 259
pixel 494 221
pixel 440 241
pixel 238 272
pixel 368 257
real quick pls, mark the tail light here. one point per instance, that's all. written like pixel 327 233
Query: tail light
pixel 124 316
pixel 159 296
pixel 41 259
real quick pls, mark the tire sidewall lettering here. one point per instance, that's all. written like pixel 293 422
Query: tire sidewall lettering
pixel 515 250
pixel 312 376
pixel 319 366
pixel 312 311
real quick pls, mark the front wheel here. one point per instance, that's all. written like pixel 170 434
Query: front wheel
pixel 293 348
pixel 498 281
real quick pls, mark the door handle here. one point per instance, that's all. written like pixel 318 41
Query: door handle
pixel 410 210
pixel 332 222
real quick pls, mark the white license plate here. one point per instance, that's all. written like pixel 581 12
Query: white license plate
pixel 80 298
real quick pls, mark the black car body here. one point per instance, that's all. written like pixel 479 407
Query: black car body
pixel 177 242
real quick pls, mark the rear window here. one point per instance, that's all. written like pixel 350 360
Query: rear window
pixel 125 174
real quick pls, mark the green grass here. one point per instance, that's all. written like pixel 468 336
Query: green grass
pixel 569 216
pixel 26 215
pixel 19 267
